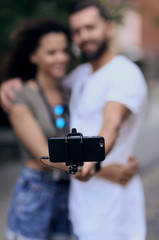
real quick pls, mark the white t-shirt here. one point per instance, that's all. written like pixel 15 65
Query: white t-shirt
pixel 100 209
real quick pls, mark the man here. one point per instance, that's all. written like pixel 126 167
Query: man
pixel 108 99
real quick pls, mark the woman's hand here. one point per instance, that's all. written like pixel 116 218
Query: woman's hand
pixel 6 92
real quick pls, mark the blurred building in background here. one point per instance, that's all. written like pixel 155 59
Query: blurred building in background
pixel 150 36
pixel 137 34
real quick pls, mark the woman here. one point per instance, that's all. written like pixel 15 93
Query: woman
pixel 40 56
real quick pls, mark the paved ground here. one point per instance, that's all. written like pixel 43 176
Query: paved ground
pixel 151 183
pixel 147 149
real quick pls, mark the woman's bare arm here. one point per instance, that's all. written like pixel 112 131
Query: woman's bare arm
pixel 31 134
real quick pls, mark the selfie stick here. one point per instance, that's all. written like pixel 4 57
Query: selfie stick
pixel 73 165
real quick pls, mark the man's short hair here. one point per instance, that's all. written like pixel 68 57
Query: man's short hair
pixel 82 4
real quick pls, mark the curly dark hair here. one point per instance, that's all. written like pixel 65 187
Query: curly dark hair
pixel 25 41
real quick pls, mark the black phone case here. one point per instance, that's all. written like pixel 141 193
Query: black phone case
pixel 89 149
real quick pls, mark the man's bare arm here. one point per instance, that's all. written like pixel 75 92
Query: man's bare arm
pixel 6 92
pixel 120 173
pixel 114 115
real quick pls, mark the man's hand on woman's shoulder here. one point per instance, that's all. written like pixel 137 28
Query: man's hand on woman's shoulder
pixel 6 92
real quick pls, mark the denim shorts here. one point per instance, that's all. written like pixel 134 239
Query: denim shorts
pixel 39 208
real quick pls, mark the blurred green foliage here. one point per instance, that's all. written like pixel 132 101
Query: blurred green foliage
pixel 156 21
pixel 14 12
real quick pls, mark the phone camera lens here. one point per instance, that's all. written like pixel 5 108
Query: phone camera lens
pixel 101 143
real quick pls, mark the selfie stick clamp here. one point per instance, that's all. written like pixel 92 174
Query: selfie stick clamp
pixel 74 166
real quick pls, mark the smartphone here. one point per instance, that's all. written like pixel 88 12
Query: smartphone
pixel 76 150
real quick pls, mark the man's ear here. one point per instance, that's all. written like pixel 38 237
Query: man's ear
pixel 33 58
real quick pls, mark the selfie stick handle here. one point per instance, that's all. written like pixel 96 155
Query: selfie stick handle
pixel 73 166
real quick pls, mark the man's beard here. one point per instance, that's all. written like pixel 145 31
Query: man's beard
pixel 96 54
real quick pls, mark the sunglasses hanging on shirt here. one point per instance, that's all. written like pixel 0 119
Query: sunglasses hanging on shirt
pixel 58 114
pixel 60 121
